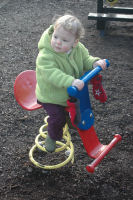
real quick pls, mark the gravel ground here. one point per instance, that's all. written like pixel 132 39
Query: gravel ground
pixel 21 25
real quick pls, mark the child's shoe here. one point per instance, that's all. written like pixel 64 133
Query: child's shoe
pixel 50 144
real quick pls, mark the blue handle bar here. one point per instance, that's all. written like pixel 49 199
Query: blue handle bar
pixel 73 91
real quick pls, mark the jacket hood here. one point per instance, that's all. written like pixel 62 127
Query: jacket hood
pixel 45 41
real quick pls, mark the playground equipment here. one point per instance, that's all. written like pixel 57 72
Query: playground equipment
pixel 82 118
pixel 123 14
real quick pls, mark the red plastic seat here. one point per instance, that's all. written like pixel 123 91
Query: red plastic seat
pixel 24 90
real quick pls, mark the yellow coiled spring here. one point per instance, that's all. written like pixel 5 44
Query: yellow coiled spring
pixel 62 146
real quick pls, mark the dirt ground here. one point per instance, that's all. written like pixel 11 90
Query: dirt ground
pixel 21 25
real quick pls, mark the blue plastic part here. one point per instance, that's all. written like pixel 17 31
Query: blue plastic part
pixel 87 117
pixel 102 33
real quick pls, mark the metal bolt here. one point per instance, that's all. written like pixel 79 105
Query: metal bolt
pixel 91 115
pixel 83 122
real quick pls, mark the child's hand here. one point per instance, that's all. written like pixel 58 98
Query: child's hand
pixel 78 84
pixel 101 63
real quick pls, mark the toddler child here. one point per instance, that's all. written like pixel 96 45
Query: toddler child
pixel 61 61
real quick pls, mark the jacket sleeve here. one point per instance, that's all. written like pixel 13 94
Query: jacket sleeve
pixel 48 71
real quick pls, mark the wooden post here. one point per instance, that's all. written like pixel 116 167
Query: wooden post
pixel 100 23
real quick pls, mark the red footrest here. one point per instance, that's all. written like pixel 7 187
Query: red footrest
pixel 94 148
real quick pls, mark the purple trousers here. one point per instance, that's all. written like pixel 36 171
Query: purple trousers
pixel 56 120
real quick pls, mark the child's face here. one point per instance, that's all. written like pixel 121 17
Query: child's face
pixel 62 41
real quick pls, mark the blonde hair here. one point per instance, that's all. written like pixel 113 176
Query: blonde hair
pixel 70 23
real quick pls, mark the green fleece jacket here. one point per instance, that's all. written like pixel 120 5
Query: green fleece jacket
pixel 55 72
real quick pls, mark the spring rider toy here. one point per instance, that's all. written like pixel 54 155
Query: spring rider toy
pixel 81 115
